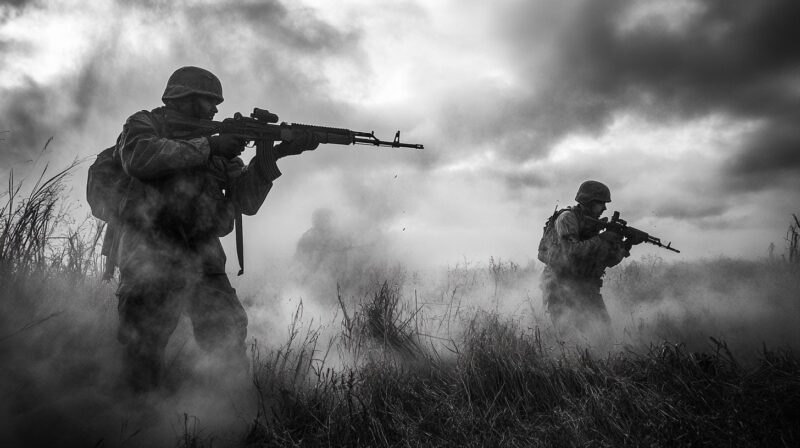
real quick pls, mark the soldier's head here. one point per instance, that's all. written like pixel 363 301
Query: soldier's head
pixel 193 91
pixel 593 196
pixel 322 219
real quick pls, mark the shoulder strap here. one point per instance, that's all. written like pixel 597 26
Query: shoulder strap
pixel 109 249
pixel 551 221
pixel 239 241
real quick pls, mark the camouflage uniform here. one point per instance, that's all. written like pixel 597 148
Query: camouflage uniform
pixel 576 258
pixel 180 200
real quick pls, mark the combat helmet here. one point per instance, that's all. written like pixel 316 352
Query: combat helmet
pixel 592 190
pixel 192 81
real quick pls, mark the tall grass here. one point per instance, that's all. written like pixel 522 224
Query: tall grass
pixel 56 326
pixel 36 235
pixel 512 381
pixel 507 386
pixel 460 357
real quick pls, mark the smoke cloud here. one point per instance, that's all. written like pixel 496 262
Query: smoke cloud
pixel 516 104
pixel 687 109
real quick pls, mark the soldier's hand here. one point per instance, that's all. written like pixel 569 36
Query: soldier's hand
pixel 634 239
pixel 611 237
pixel 303 141
pixel 226 145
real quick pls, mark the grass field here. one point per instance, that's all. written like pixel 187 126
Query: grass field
pixel 701 353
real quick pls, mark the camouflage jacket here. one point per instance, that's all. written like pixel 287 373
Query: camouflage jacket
pixel 180 199
pixel 578 249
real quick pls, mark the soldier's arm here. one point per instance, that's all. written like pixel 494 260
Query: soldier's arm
pixel 568 231
pixel 248 185
pixel 145 155
pixel 615 251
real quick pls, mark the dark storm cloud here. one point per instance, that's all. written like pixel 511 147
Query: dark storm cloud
pixel 272 21
pixel 23 114
pixel 521 178
pixel 16 3
pixel 771 155
pixel 303 31
pixel 247 44
pixel 264 50
pixel 32 112
pixel 728 58
pixel 736 58
pixel 218 28
pixel 690 211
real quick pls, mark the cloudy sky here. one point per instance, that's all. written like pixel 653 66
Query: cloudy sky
pixel 688 110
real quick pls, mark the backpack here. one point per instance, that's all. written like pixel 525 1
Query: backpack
pixel 549 242
pixel 107 188
pixel 106 185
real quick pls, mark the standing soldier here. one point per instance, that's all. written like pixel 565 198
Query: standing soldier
pixel 577 255
pixel 182 196
pixel 323 247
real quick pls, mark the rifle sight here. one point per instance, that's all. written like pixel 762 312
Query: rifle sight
pixel 264 115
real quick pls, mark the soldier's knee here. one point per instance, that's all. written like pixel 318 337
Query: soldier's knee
pixel 218 318
pixel 146 321
pixel 220 335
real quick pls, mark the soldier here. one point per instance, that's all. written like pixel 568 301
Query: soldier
pixel 324 246
pixel 317 242
pixel 182 197
pixel 577 255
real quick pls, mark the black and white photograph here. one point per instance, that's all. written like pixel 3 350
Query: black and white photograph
pixel 409 223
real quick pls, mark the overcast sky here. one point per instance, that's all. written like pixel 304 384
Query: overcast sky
pixel 688 110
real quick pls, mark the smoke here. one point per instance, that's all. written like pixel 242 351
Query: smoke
pixel 675 107
pixel 15 4
pixel 533 97
pixel 745 304
pixel 122 66
pixel 770 156
pixel 684 60
pixel 63 370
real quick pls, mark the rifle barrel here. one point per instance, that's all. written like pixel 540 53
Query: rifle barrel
pixel 246 126
pixel 375 142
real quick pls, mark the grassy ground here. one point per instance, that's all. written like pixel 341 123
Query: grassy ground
pixel 501 384
pixel 701 353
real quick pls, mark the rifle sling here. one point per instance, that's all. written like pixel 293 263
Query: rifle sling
pixel 239 242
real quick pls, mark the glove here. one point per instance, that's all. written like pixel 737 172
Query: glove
pixel 614 251
pixel 226 145
pixel 611 237
pixel 633 240
pixel 303 141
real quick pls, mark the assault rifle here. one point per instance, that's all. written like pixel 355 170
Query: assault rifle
pixel 260 125
pixel 620 226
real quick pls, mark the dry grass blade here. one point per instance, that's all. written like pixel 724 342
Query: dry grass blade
pixel 28 224
pixel 29 325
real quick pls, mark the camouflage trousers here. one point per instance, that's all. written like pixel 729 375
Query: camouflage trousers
pixel 150 306
pixel 573 301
